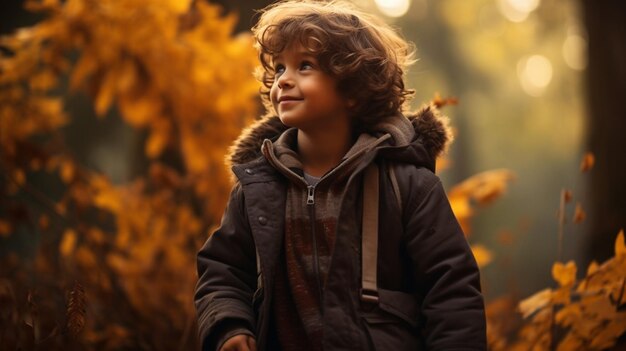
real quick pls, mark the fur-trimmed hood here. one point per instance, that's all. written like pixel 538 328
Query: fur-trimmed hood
pixel 430 137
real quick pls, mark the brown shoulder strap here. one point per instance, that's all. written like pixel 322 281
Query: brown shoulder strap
pixel 394 184
pixel 369 232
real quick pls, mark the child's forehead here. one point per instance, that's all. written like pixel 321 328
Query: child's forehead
pixel 294 50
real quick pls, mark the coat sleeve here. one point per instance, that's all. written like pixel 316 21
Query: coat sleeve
pixel 226 276
pixel 453 309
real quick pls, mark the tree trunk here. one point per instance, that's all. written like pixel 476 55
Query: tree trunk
pixel 606 124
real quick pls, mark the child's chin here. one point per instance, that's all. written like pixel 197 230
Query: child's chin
pixel 289 121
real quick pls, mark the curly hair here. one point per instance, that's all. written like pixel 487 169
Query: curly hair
pixel 366 56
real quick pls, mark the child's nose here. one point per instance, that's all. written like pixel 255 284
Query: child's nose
pixel 285 80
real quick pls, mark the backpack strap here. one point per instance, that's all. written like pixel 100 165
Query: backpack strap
pixel 369 240
pixel 369 229
pixel 394 185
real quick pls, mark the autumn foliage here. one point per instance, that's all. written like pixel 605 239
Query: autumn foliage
pixel 112 266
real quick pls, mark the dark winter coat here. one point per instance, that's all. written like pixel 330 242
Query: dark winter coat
pixel 429 288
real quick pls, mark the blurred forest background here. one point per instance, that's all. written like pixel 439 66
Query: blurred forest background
pixel 115 116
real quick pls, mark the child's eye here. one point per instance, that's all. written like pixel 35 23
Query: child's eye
pixel 306 65
pixel 279 69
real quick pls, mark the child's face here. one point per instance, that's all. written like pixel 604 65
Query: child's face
pixel 303 95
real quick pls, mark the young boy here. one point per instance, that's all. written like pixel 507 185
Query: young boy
pixel 338 234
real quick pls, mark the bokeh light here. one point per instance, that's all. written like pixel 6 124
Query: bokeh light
pixel 393 8
pixel 575 52
pixel 517 10
pixel 534 73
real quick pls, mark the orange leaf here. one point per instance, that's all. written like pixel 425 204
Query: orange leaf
pixel 482 254
pixel 43 80
pixel 108 199
pixel 159 136
pixel 599 306
pixel 579 213
pixel 565 275
pixel 535 302
pixel 572 341
pixel 440 102
pixel 587 162
pixel 620 247
pixel 569 315
pixel 593 267
pixel 139 111
pixel 178 6
pixel 67 171
pixel 606 337
pixel 567 195
pixel 68 243
pixel 486 186
pixel 106 92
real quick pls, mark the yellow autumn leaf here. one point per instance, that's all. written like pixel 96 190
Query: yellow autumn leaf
pixel 139 111
pixel 108 199
pixel 592 268
pixel 572 341
pixel 598 306
pixel 68 243
pixel 489 192
pixel 587 326
pixel 460 206
pixel 620 246
pixel 482 254
pixel 535 302
pixel 196 157
pixel 159 136
pixel 106 92
pixel 127 77
pixel 606 337
pixel 67 171
pixel 486 186
pixel 564 274
pixel 569 315
pixel 562 296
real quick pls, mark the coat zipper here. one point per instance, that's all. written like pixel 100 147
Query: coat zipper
pixel 310 201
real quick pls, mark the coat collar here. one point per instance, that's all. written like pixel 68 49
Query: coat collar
pixel 429 138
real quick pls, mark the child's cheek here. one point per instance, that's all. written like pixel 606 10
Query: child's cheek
pixel 273 101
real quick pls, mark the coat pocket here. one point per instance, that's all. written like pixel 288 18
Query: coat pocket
pixel 393 323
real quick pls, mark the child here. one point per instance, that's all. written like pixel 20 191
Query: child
pixel 338 234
